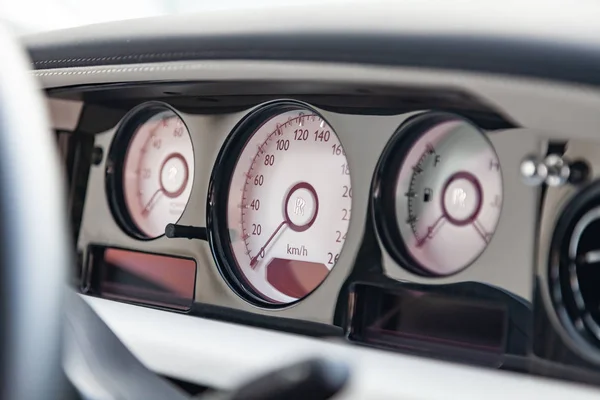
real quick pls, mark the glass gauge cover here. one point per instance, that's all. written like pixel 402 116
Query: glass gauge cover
pixel 288 204
pixel 150 171
pixel 446 194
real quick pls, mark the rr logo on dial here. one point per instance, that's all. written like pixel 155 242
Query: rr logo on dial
pixel 299 206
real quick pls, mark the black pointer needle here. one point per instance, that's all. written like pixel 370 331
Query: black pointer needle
pixel 254 259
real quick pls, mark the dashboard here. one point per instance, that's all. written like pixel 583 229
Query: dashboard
pixel 328 223
pixel 395 231
pixel 447 213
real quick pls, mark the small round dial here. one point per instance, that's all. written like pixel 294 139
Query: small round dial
pixel 448 194
pixel 156 171
pixel 288 204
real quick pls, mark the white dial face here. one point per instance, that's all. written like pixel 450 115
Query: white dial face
pixel 289 206
pixel 158 173
pixel 448 197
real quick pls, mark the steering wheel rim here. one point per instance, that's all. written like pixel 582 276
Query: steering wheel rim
pixel 33 241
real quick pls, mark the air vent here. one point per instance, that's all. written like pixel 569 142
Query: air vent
pixel 574 271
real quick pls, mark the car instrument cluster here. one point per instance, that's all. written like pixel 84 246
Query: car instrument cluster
pixel 390 229
pixel 281 194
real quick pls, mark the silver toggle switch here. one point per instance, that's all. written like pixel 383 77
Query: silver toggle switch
pixel 531 172
pixel 553 170
pixel 556 169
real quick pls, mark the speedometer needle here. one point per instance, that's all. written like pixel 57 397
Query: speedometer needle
pixel 254 259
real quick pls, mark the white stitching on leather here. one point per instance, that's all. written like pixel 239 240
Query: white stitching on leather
pixel 117 58
pixel 117 69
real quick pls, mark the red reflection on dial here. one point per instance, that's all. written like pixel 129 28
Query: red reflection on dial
pixel 295 278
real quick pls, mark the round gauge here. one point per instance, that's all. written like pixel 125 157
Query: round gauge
pixel 150 170
pixel 444 193
pixel 279 213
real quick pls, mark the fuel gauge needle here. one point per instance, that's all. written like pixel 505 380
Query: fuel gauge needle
pixel 432 231
pixel 254 259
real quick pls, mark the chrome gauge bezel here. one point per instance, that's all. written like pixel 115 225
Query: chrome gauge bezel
pixel 115 161
pixel 218 196
pixel 384 188
pixel 383 191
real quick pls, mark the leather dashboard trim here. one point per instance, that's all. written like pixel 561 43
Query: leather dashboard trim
pixel 537 58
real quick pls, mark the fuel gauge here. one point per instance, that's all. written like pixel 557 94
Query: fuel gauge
pixel 445 193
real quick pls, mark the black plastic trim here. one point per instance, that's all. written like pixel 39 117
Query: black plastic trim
pixel 581 339
pixel 550 355
pixel 77 162
pixel 106 104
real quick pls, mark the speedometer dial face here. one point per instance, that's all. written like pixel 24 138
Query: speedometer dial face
pixel 156 171
pixel 448 194
pixel 289 204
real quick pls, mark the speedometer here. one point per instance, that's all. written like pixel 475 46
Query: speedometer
pixel 286 207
